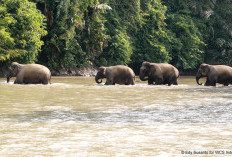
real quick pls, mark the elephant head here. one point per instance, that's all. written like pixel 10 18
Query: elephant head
pixel 144 71
pixel 202 72
pixel 100 74
pixel 13 70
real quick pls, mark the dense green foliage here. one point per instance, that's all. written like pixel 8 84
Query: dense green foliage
pixel 110 32
pixel 21 29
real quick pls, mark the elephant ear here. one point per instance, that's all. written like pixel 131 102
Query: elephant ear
pixel 205 69
pixel 102 70
pixel 153 69
pixel 16 67
pixel 150 68
pixel 13 67
pixel 147 65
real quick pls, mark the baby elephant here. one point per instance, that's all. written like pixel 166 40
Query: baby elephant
pixel 215 74
pixel 29 73
pixel 160 73
pixel 119 74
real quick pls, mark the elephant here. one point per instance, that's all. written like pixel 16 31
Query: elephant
pixel 215 74
pixel 160 73
pixel 29 73
pixel 118 74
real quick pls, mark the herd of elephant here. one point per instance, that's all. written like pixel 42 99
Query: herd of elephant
pixel 154 73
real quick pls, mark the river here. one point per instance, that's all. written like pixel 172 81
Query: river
pixel 76 117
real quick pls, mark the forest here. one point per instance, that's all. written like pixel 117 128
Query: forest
pixel 67 34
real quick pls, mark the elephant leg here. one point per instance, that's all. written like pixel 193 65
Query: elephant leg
pixel 108 82
pixel 175 82
pixel 150 81
pixel 131 81
pixel 214 83
pixel 44 81
pixel 158 81
pixel 18 80
pixel 207 83
pixel 170 82
pixel 126 82
pixel 210 83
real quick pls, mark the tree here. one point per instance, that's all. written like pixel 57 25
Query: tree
pixel 219 41
pixel 60 47
pixel 118 48
pixel 187 45
pixel 150 38
pixel 76 33
pixel 186 40
pixel 21 29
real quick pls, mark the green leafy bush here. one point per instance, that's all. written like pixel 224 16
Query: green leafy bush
pixel 21 29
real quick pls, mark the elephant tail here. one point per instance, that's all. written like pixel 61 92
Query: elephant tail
pixel 50 79
pixel 177 73
pixel 133 82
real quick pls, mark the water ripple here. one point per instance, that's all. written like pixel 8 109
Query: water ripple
pixel 218 113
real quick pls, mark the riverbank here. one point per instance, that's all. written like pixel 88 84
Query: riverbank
pixel 85 71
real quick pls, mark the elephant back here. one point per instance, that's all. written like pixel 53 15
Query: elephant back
pixel 167 68
pixel 121 74
pixel 35 73
pixel 36 68
pixel 120 69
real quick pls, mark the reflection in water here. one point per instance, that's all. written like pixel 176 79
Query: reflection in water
pixel 76 117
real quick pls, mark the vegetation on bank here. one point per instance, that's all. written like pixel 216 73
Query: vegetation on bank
pixel 69 34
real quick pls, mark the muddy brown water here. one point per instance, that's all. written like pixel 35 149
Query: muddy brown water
pixel 76 117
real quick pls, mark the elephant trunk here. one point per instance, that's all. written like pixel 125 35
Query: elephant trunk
pixel 142 77
pixel 198 78
pixel 8 76
pixel 97 77
pixel 8 79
